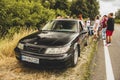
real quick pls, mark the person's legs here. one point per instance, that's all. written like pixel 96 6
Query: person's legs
pixel 110 39
pixel 104 33
pixel 107 36
pixel 95 36
pixel 111 36
pixel 88 30
pixel 107 39
pixel 98 33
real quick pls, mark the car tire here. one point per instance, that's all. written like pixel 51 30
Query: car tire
pixel 75 57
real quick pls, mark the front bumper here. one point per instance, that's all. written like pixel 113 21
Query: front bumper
pixel 56 60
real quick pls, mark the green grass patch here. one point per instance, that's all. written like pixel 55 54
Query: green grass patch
pixel 117 21
pixel 89 61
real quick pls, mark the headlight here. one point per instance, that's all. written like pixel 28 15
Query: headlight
pixel 20 46
pixel 57 50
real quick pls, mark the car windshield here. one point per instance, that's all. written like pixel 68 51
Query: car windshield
pixel 61 25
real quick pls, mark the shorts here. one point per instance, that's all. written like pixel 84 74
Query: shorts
pixel 109 33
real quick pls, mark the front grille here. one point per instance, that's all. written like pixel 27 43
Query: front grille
pixel 34 49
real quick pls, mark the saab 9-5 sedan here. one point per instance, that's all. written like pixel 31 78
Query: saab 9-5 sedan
pixel 58 43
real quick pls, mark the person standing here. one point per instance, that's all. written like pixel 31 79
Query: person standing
pixel 95 27
pixel 88 26
pixel 104 26
pixel 110 29
pixel 81 18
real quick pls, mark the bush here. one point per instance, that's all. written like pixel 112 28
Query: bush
pixel 24 13
pixel 117 21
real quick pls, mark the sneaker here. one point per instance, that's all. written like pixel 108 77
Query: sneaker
pixel 103 39
pixel 109 44
pixel 106 44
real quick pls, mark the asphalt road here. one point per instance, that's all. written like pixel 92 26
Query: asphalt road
pixel 107 67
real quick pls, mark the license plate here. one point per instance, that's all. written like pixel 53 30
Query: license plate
pixel 30 59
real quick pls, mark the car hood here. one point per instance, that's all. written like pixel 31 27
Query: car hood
pixel 51 38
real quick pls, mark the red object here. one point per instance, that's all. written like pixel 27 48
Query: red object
pixel 104 23
pixel 109 33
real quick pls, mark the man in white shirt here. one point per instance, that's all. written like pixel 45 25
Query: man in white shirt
pixel 88 26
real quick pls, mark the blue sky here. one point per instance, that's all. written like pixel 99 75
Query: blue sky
pixel 107 6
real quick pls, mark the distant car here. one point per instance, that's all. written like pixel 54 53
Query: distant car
pixel 58 43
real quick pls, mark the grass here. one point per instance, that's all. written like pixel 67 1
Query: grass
pixel 89 62
pixel 11 69
pixel 7 45
pixel 117 21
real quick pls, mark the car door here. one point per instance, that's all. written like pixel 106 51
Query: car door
pixel 82 37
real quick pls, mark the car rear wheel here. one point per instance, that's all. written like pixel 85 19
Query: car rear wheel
pixel 75 57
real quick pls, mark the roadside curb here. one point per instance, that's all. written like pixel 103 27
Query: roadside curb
pixel 91 57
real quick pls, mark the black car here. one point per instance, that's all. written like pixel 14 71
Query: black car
pixel 58 43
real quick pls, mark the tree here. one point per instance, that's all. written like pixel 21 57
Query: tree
pixel 30 13
pixel 79 7
pixel 48 3
pixel 117 14
pixel 89 8
pixel 57 4
pixel 93 8
pixel 36 12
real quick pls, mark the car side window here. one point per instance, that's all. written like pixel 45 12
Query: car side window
pixel 80 26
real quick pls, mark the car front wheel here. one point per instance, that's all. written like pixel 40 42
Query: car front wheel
pixel 75 57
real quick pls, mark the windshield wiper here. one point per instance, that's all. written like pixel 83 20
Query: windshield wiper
pixel 60 31
pixel 63 31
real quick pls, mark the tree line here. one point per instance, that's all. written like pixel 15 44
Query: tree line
pixel 117 14
pixel 34 13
